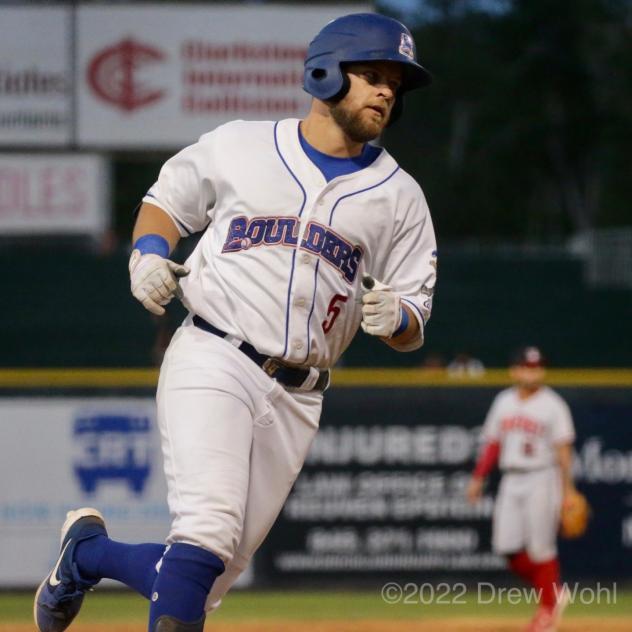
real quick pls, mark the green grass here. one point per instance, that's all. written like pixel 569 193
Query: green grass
pixel 310 606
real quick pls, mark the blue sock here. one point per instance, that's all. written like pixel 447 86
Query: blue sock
pixel 184 581
pixel 131 564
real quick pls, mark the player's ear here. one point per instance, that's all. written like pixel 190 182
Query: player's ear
pixel 346 84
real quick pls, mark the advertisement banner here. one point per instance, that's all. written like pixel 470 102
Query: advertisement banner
pixel 382 494
pixel 162 75
pixel 35 76
pixel 59 454
pixel 53 194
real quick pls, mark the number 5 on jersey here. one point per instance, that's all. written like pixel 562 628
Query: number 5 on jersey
pixel 333 311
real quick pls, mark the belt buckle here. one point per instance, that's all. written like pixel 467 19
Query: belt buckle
pixel 270 366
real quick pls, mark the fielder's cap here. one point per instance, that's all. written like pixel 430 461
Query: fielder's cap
pixel 528 356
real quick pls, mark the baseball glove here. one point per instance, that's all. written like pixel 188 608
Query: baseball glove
pixel 575 516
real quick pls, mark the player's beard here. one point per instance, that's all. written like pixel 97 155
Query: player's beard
pixel 353 125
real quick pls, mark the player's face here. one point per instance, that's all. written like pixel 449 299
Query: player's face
pixel 366 108
pixel 528 376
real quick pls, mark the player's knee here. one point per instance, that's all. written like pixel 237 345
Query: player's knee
pixel 214 536
pixel 542 553
pixel 519 562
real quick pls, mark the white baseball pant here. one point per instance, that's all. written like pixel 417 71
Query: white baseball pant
pixel 233 441
pixel 527 513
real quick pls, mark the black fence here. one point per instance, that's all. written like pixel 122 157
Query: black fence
pixel 74 308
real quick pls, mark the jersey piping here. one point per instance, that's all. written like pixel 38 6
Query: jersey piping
pixel 332 166
pixel 300 212
pixel 331 216
pixel 175 220
pixel 373 186
pixel 411 304
pixel 311 311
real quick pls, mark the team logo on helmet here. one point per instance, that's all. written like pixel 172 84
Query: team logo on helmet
pixel 406 46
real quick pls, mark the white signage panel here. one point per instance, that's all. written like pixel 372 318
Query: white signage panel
pixel 53 194
pixel 58 454
pixel 160 76
pixel 35 76
pixel 61 454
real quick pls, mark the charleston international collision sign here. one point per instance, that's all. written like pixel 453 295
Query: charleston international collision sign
pixel 160 76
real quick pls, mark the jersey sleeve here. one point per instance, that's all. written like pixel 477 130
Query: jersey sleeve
pixel 491 426
pixel 563 427
pixel 411 267
pixel 184 189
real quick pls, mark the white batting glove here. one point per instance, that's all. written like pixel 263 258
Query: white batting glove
pixel 381 308
pixel 154 280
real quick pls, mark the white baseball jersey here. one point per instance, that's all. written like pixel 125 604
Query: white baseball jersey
pixel 528 430
pixel 281 262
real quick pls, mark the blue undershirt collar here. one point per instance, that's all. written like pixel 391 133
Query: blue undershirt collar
pixel 331 166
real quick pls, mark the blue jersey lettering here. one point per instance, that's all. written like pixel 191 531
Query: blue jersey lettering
pixel 320 240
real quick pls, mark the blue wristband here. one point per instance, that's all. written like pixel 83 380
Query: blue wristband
pixel 403 325
pixel 152 244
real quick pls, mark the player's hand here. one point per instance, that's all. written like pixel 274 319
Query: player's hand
pixel 381 309
pixel 154 280
pixel 475 489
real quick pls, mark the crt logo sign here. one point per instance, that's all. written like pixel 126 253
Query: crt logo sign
pixel 112 447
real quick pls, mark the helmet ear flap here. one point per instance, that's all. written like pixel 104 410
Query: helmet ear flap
pixel 344 88
pixel 326 83
pixel 397 110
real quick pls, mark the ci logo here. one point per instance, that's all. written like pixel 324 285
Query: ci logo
pixel 113 75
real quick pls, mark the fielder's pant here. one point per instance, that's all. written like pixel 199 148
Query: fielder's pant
pixel 233 441
pixel 527 514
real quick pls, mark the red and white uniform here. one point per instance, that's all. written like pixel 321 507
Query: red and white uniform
pixel 526 513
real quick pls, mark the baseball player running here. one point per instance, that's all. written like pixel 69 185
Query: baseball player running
pixel 529 431
pixel 310 233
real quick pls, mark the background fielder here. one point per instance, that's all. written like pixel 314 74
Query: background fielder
pixel 295 214
pixel 529 432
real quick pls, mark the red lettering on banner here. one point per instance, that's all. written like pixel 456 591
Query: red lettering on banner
pixel 191 103
pixel 210 78
pixel 524 424
pixel 195 50
pixel 48 191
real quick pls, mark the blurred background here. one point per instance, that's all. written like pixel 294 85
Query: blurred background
pixel 522 147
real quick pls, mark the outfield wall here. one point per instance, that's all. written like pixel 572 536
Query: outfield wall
pixel 486 306
pixel 381 495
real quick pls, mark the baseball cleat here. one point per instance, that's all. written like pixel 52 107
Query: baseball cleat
pixel 563 600
pixel 169 624
pixel 542 621
pixel 59 597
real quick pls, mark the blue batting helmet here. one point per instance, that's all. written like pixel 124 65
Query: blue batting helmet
pixel 355 38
